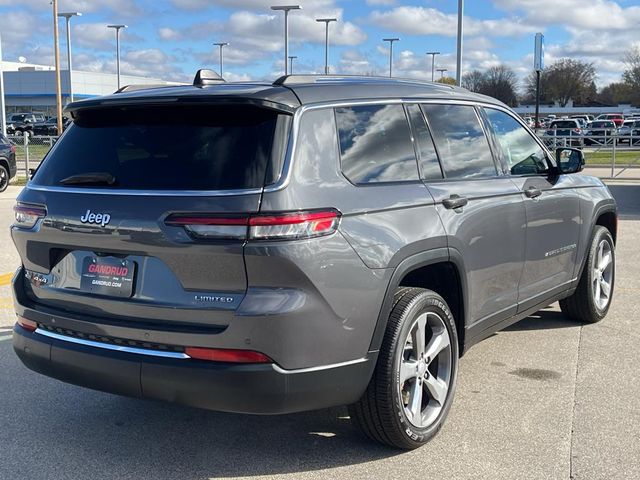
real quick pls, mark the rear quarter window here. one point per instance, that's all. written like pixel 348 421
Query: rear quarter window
pixel 375 144
pixel 171 148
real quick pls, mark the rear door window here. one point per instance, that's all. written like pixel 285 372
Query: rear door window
pixel 375 144
pixel 170 148
pixel 461 142
pixel 427 156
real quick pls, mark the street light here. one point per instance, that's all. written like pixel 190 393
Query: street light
pixel 433 63
pixel 221 45
pixel 286 9
pixel 56 56
pixel 326 21
pixel 460 32
pixel 117 28
pixel 390 40
pixel 291 59
pixel 3 112
pixel 67 16
pixel 441 70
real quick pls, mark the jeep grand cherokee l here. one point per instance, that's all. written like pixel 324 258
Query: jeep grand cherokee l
pixel 319 241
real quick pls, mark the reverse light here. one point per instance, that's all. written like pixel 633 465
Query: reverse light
pixel 272 226
pixel 27 324
pixel 227 355
pixel 26 216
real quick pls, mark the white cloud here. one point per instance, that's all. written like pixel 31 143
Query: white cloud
pixel 431 21
pixel 166 33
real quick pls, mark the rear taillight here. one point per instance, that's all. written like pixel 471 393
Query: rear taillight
pixel 27 324
pixel 13 149
pixel 26 216
pixel 226 355
pixel 273 226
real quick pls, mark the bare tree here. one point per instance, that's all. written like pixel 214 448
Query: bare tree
pixel 565 80
pixel 473 80
pixel 631 75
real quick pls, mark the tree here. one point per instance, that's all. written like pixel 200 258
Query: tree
pixel 617 93
pixel 447 80
pixel 564 80
pixel 473 80
pixel 499 82
pixel 631 75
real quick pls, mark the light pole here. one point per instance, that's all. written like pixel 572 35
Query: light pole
pixel 433 63
pixel 67 16
pixel 442 70
pixel 460 33
pixel 286 9
pixel 390 40
pixel 326 21
pixel 117 28
pixel 221 45
pixel 291 59
pixel 56 54
pixel 3 112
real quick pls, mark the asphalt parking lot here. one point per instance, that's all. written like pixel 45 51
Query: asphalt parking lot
pixel 546 399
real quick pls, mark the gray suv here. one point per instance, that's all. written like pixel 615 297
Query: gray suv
pixel 319 241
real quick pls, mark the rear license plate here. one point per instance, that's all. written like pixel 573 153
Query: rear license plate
pixel 107 276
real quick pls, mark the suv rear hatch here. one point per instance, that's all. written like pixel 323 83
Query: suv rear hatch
pixel 123 205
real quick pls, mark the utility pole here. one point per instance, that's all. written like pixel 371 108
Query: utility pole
pixel 460 35
pixel 221 45
pixel 390 40
pixel 286 9
pixel 433 63
pixel 67 16
pixel 3 111
pixel 291 59
pixel 56 53
pixel 326 21
pixel 117 28
pixel 442 70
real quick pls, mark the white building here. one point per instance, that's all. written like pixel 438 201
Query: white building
pixel 32 88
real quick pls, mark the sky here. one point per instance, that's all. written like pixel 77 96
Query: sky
pixel 171 39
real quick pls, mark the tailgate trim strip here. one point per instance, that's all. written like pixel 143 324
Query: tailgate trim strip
pixel 107 346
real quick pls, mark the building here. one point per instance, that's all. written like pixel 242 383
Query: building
pixel 32 88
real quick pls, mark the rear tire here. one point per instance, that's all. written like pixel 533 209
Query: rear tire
pixel 412 387
pixel 4 178
pixel 592 299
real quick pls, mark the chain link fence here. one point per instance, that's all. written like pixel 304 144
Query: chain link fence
pixel 30 150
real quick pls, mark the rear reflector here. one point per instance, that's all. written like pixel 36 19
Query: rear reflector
pixel 225 355
pixel 276 226
pixel 27 324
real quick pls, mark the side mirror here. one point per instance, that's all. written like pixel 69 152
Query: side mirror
pixel 570 160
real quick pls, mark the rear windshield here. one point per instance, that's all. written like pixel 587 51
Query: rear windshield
pixel 602 124
pixel 170 148
pixel 571 124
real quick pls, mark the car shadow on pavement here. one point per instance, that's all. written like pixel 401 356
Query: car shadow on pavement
pixel 628 198
pixel 546 319
pixel 88 434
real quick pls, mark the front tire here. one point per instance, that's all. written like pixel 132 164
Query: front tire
pixel 410 393
pixel 592 298
pixel 4 178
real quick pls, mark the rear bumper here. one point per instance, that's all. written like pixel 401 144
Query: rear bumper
pixel 257 389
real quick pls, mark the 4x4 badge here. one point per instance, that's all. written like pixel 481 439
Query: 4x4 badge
pixel 101 219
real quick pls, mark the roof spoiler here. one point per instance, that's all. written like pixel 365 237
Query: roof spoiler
pixel 207 77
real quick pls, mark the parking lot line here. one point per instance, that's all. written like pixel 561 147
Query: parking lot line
pixel 5 278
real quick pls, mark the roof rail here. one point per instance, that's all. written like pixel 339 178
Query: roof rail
pixel 140 86
pixel 306 79
pixel 207 77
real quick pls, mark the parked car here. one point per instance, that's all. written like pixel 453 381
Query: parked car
pixel 565 131
pixel 616 118
pixel 21 123
pixel 306 244
pixel 585 118
pixel 7 162
pixel 49 127
pixel 600 132
pixel 629 132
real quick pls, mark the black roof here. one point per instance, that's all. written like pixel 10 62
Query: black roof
pixel 287 93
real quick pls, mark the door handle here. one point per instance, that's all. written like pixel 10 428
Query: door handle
pixel 454 201
pixel 533 192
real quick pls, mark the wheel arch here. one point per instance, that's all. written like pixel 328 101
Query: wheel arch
pixel 440 270
pixel 605 216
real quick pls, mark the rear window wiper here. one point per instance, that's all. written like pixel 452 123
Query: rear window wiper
pixel 90 178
